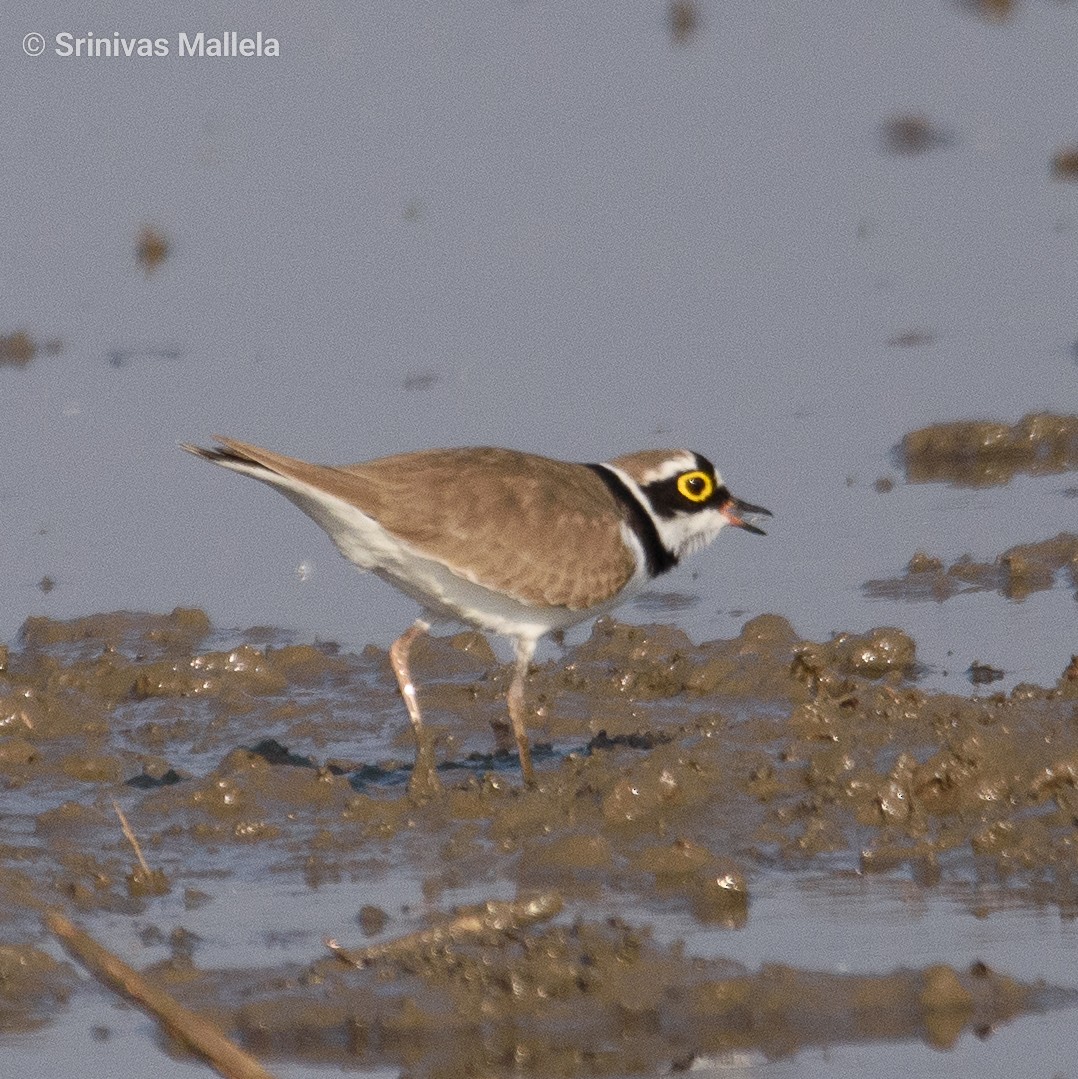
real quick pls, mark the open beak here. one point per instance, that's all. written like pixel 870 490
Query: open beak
pixel 733 509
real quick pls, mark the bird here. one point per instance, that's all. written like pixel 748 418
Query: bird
pixel 508 542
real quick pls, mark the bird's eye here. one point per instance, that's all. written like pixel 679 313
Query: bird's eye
pixel 696 486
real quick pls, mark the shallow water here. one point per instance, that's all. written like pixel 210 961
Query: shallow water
pixel 603 241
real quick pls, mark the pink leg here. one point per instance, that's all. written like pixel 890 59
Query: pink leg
pixel 424 777
pixel 515 700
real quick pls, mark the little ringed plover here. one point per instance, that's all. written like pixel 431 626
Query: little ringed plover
pixel 508 542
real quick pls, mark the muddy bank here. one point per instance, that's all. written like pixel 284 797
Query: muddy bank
pixel 594 998
pixel 672 777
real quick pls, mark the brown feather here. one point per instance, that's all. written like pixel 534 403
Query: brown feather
pixel 546 532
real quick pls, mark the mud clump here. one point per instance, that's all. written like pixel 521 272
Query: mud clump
pixel 986 454
pixel 152 248
pixel 1065 164
pixel 33 986
pixel 883 651
pixel 184 627
pixel 683 20
pixel 911 133
pixel 19 348
pixel 1016 574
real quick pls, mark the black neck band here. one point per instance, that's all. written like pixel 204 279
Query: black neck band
pixel 658 558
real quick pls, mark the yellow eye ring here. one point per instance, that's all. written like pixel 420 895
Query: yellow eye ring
pixel 695 486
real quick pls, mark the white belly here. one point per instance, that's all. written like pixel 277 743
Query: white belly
pixel 442 593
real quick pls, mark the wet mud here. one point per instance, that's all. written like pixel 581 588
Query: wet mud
pixel 673 777
pixel 976 453
pixel 601 998
pixel 911 133
pixel 1065 164
pixel 17 349
pixel 152 247
pixel 1016 573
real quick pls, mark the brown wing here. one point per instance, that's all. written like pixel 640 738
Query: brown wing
pixel 546 532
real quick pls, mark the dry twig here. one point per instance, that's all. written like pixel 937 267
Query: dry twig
pixel 131 837
pixel 199 1034
pixel 495 916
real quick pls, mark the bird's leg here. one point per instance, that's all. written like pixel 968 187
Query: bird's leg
pixel 424 777
pixel 515 700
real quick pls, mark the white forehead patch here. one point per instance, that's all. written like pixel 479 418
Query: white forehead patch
pixel 671 467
